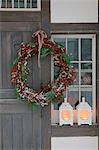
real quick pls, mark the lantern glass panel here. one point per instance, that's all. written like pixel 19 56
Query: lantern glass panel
pixel 66 115
pixel 84 114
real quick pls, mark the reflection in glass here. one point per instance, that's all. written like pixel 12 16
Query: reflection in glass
pixel 76 82
pixel 21 3
pixel 88 96
pixel 72 47
pixel 61 41
pixel 56 72
pixel 86 78
pixel 28 3
pixel 73 98
pixel 86 49
pixel 3 5
pixel 34 3
pixel 15 3
pixel 86 66
pixel 9 3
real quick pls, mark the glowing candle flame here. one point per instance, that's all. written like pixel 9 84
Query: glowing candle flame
pixel 84 114
pixel 66 115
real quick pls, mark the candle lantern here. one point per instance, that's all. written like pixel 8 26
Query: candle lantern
pixel 84 113
pixel 65 113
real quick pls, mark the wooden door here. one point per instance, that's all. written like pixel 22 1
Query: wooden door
pixel 21 127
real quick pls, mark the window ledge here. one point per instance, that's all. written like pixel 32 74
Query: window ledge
pixel 75 130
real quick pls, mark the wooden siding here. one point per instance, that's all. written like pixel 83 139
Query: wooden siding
pixel 21 127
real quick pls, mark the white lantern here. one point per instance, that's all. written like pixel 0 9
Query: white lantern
pixel 65 113
pixel 84 113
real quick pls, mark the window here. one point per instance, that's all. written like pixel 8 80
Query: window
pixel 82 49
pixel 19 5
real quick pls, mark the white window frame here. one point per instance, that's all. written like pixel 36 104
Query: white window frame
pixel 22 9
pixel 79 36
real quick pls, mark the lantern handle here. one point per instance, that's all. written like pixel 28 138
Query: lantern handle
pixel 65 99
pixel 83 99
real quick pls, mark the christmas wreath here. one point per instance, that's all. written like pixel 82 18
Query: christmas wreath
pixel 52 91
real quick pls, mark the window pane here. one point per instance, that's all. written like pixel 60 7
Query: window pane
pixel 9 3
pixel 34 3
pixel 86 49
pixel 3 4
pixel 61 41
pixel 87 95
pixel 73 97
pixel 77 74
pixel 86 66
pixel 72 47
pixel 28 3
pixel 15 3
pixel 56 72
pixel 86 78
pixel 21 3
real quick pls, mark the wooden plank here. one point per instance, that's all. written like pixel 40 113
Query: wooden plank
pixel 17 132
pixel 84 130
pixel 45 16
pixel 46 128
pixel 27 37
pixel 22 17
pixel 27 131
pixel 0 63
pixel 97 79
pixel 0 132
pixel 37 129
pixel 36 73
pixel 16 40
pixel 46 69
pixel 7 132
pixel 74 28
pixel 19 26
pixel 14 107
pixel 46 111
pixel 7 93
pixel 6 59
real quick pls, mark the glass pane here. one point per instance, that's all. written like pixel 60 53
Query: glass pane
pixel 86 78
pixel 73 98
pixel 21 3
pixel 86 49
pixel 28 3
pixel 61 41
pixel 9 3
pixel 76 82
pixel 72 47
pixel 34 3
pixel 15 3
pixel 86 66
pixel 87 95
pixel 3 5
pixel 56 72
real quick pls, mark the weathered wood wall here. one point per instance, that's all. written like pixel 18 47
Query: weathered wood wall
pixel 21 127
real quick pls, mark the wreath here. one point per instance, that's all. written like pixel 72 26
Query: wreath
pixel 52 91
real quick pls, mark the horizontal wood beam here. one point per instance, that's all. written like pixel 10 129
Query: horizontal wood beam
pixel 74 28
pixel 84 130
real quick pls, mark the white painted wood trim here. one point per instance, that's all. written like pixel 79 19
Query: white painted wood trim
pixel 22 9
